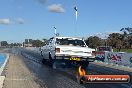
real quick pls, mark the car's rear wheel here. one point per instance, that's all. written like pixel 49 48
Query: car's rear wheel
pixel 83 64
pixel 53 63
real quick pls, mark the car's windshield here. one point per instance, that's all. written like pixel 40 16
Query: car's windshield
pixel 71 42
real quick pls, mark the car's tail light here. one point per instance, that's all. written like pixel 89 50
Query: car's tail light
pixel 93 53
pixel 57 50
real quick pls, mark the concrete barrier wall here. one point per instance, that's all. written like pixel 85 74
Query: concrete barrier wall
pixel 130 59
pixel 100 56
pixel 34 49
pixel 115 58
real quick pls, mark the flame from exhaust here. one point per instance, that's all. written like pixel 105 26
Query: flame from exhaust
pixel 82 72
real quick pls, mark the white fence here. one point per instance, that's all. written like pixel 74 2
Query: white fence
pixel 115 58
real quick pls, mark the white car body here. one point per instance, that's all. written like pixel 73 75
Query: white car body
pixel 54 50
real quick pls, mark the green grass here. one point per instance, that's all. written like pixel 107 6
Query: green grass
pixel 123 50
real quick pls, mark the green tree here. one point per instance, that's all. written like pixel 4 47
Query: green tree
pixel 37 43
pixel 127 31
pixel 129 40
pixel 115 40
pixel 127 37
pixel 94 41
pixel 4 43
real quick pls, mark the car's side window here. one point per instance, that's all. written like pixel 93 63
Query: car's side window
pixel 50 41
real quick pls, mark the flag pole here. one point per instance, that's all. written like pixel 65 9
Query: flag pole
pixel 76 16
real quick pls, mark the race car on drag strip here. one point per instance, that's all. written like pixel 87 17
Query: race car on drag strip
pixel 68 50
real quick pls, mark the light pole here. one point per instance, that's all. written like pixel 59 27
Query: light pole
pixel 54 30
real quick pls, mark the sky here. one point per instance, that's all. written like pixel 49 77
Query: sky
pixel 35 19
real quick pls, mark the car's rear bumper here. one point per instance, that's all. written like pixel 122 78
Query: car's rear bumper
pixel 75 58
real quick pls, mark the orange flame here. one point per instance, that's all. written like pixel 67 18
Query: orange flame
pixel 82 72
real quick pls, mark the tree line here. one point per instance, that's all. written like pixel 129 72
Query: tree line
pixel 116 40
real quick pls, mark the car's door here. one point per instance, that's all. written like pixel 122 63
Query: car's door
pixel 46 50
pixel 51 48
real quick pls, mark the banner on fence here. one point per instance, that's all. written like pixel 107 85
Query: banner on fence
pixel 119 58
pixel 100 56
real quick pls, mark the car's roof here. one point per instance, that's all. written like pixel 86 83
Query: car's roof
pixel 69 38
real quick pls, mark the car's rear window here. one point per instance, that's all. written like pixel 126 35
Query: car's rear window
pixel 73 42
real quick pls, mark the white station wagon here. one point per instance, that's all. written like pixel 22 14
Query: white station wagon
pixel 67 49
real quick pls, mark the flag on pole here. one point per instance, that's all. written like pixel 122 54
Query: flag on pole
pixel 54 27
pixel 75 8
